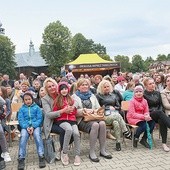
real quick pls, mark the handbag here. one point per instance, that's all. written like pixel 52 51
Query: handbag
pixel 97 114
pixel 49 150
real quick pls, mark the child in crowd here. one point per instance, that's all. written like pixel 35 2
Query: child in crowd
pixel 30 119
pixel 67 121
pixel 128 93
pixel 138 114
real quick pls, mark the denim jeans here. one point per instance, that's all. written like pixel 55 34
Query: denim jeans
pixel 24 140
pixel 142 128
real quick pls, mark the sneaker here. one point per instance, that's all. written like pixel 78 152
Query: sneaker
pixel 21 164
pixel 58 156
pixel 6 157
pixel 2 165
pixel 77 160
pixel 42 162
pixel 128 135
pixel 64 158
pixel 165 147
pixel 135 142
pixel 118 146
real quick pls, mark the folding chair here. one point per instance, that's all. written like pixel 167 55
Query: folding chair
pixel 14 108
pixel 133 128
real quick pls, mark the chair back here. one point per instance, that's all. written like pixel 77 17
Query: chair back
pixel 125 105
pixel 16 106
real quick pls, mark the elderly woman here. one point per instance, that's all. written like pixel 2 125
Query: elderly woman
pixel 112 107
pixel 154 100
pixel 84 99
pixel 49 124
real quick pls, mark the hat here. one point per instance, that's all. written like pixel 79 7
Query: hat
pixel 138 88
pixel 63 85
pixel 120 78
pixel 27 94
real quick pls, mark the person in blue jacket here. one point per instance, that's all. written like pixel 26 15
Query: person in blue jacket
pixel 30 119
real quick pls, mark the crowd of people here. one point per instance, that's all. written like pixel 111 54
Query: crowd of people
pixel 56 105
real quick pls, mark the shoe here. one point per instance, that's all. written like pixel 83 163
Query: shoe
pixel 21 164
pixel 128 135
pixel 42 162
pixel 144 143
pixel 94 159
pixel 110 136
pixel 165 147
pixel 118 146
pixel 6 157
pixel 64 158
pixel 106 156
pixel 135 142
pixel 77 160
pixel 2 165
pixel 58 156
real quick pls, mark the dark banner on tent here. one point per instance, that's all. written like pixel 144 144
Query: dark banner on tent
pixel 97 65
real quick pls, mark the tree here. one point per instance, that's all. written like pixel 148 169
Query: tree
pixel 124 62
pixel 56 46
pixel 161 57
pixel 106 57
pixel 81 45
pixel 147 63
pixel 137 64
pixel 168 57
pixel 7 57
pixel 99 49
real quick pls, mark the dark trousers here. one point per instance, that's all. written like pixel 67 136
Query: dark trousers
pixel 58 130
pixel 142 128
pixel 163 121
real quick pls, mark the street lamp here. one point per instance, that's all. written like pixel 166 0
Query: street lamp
pixel 2 30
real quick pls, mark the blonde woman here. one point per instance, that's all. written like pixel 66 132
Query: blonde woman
pixel 49 124
pixel 112 107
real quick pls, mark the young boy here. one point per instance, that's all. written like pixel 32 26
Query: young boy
pixel 30 119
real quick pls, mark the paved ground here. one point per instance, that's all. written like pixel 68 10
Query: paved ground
pixel 127 159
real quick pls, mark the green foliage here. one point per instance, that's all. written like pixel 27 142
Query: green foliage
pixel 147 63
pixel 124 62
pixel 81 45
pixel 137 64
pixel 56 46
pixel 161 57
pixel 7 57
pixel 99 49
pixel 168 57
pixel 106 57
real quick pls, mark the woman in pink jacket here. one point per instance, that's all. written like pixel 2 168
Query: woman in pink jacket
pixel 138 114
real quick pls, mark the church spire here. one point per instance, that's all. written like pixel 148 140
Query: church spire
pixel 31 48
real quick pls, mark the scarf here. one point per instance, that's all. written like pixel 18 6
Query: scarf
pixel 84 96
pixel 139 99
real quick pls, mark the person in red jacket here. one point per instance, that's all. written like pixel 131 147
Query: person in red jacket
pixel 138 114
pixel 67 121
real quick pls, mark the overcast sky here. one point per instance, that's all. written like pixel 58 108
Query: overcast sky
pixel 124 27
